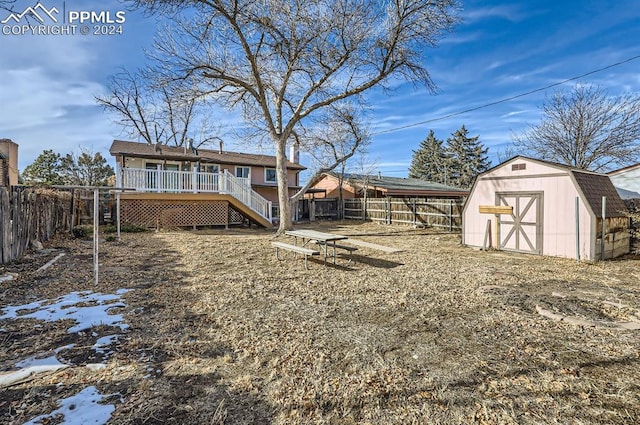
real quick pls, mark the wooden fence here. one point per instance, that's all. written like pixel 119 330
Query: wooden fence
pixel 28 215
pixel 634 207
pixel 441 213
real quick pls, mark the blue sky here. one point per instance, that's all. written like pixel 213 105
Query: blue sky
pixel 500 49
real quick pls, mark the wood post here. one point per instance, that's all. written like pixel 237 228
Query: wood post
pixel 487 235
pixel 604 226
pixel 450 215
pixel 96 203
pixel 578 228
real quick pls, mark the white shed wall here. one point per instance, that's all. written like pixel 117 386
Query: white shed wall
pixel 559 195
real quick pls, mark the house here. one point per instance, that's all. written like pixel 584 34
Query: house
pixel 377 186
pixel 556 210
pixel 627 181
pixel 178 186
pixel 8 163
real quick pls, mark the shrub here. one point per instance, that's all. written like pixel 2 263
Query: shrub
pixel 82 231
pixel 124 229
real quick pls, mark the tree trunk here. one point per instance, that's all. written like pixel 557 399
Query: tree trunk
pixel 286 222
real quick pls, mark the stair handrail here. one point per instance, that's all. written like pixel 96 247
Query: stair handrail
pixel 243 192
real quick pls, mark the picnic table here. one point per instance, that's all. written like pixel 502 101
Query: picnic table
pixel 324 240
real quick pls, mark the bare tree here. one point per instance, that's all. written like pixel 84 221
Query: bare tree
pixel 586 129
pixel 506 153
pixel 8 5
pixel 335 142
pixel 364 170
pixel 158 115
pixel 284 62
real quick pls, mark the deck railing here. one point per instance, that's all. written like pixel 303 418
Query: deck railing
pixel 163 181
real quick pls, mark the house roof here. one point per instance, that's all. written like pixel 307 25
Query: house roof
pixel 402 185
pixel 627 194
pixel 592 185
pixel 624 169
pixel 145 150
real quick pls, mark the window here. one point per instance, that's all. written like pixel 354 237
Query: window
pixel 210 168
pixel 516 167
pixel 243 172
pixel 270 175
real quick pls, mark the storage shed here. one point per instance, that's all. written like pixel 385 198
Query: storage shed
pixel 551 209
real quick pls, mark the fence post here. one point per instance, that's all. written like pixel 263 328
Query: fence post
pixel 450 215
pixel 5 230
pixel 604 226
pixel 118 214
pixel 96 204
pixel 415 212
pixel 312 209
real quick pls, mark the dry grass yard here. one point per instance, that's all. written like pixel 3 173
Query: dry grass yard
pixel 221 332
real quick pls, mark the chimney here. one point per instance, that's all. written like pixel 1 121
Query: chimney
pixel 220 148
pixel 294 153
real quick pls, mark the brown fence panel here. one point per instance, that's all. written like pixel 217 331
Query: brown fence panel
pixel 440 213
pixel 28 215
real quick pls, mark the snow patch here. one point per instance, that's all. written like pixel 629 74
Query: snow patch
pixel 86 308
pixel 80 409
pixel 102 343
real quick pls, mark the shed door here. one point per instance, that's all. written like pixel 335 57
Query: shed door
pixel 522 230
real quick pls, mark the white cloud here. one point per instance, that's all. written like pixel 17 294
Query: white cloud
pixel 508 12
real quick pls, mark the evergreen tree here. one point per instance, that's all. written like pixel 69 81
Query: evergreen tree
pixel 429 160
pixel 87 169
pixel 467 158
pixel 44 170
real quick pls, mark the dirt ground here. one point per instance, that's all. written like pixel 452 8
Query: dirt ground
pixel 222 332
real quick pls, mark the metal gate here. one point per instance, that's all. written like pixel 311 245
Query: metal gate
pixel 522 230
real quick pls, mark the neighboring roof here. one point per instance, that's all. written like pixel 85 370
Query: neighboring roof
pixel 624 169
pixel 627 194
pixel 402 185
pixel 592 185
pixel 145 150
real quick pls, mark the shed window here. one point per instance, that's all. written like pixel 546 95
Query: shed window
pixel 516 167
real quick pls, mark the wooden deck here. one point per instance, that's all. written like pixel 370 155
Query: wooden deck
pixel 184 209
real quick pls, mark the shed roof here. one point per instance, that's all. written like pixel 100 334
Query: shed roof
pixel 145 150
pixel 592 185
